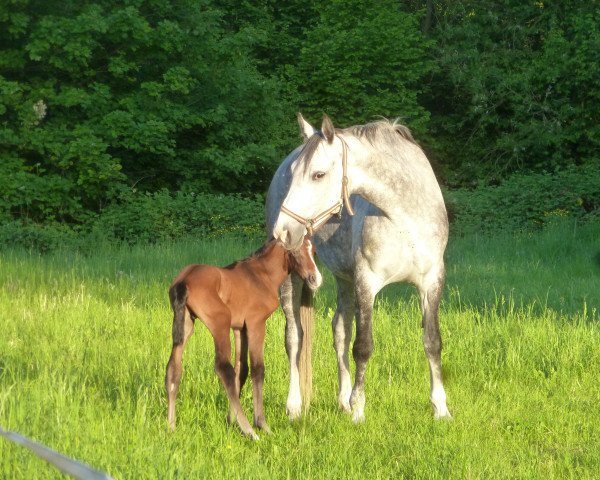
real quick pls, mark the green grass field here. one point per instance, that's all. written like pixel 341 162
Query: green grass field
pixel 86 337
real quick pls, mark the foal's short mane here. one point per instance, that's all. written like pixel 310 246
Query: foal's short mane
pixel 380 129
pixel 262 250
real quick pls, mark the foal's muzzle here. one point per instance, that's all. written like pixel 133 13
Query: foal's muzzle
pixel 314 281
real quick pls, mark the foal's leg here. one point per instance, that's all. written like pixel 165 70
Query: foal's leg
pixel 219 327
pixel 291 292
pixel 256 342
pixel 363 345
pixel 341 325
pixel 241 359
pixel 183 327
pixel 431 293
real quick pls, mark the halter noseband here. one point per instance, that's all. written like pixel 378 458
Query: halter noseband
pixel 312 224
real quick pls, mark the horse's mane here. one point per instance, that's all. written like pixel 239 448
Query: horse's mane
pixel 384 127
pixel 373 131
pixel 262 250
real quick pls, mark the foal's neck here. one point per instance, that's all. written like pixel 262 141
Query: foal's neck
pixel 274 261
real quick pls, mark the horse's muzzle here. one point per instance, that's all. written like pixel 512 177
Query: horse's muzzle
pixel 290 234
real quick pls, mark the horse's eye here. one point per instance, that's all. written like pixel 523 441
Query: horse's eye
pixel 318 175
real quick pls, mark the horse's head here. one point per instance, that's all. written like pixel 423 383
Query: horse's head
pixel 302 261
pixel 318 184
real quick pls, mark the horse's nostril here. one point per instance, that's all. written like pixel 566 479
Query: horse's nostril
pixel 312 278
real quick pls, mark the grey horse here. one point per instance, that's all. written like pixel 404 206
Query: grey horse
pixel 370 198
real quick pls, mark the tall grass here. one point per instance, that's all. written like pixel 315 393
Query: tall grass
pixel 85 340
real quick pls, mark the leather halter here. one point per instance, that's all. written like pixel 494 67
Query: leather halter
pixel 312 224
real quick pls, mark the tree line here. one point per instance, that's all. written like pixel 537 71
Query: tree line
pixel 100 100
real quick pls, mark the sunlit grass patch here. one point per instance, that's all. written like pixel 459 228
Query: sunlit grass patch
pixel 86 337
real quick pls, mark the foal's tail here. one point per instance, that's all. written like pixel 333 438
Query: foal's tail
pixel 178 294
pixel 307 320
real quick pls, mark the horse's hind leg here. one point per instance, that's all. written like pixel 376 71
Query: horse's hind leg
pixel 431 294
pixel 183 327
pixel 256 341
pixel 341 325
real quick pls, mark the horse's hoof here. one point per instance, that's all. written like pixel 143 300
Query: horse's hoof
pixel 440 411
pixel 358 417
pixel 445 416
pixel 345 407
pixel 357 403
pixel 294 413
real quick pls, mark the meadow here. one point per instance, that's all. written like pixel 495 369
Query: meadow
pixel 85 337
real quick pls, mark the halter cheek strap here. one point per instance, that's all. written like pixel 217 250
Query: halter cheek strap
pixel 312 224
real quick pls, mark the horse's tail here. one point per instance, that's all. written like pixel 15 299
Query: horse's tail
pixel 178 294
pixel 307 320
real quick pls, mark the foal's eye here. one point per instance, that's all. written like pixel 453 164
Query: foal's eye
pixel 318 175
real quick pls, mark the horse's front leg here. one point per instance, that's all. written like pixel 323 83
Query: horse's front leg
pixel 256 341
pixel 341 325
pixel 291 291
pixel 363 345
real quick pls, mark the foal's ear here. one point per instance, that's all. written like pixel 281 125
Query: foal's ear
pixel 306 129
pixel 327 128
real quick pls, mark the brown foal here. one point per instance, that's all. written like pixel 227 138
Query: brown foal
pixel 239 297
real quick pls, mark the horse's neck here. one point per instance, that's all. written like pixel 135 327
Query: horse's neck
pixel 387 180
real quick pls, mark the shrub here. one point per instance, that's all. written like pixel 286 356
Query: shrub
pixel 526 201
pixel 32 236
pixel 151 217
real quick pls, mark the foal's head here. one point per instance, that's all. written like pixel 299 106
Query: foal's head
pixel 302 261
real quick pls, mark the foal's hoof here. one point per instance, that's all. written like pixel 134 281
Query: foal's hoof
pixel 248 432
pixel 262 424
pixel 264 427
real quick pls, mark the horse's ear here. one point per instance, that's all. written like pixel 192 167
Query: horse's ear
pixel 306 129
pixel 327 128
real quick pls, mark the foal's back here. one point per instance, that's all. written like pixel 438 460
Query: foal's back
pixel 239 291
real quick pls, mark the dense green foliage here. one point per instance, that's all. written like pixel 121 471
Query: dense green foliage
pixel 147 218
pixel 363 67
pixel 86 339
pixel 526 202
pixel 99 96
pixel 104 101
pixel 518 87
